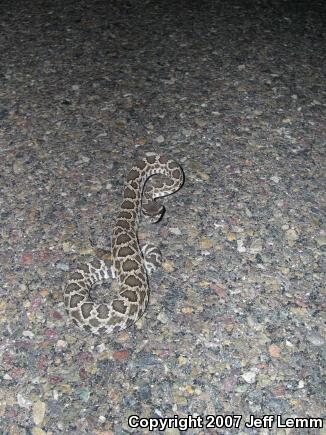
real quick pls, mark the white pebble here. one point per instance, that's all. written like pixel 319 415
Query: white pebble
pixel 249 377
pixel 301 384
pixel 240 247
pixel 23 402
pixel 28 334
pixel 175 231
pixel 60 344
pixel 160 139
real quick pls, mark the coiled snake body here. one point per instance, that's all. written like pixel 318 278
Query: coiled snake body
pixel 129 266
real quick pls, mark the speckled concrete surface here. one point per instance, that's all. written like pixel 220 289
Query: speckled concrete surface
pixel 235 92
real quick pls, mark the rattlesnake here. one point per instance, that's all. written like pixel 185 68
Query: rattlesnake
pixel 129 266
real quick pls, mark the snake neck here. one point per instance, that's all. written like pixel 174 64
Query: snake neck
pixel 128 218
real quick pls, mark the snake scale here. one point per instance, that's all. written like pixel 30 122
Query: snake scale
pixel 130 264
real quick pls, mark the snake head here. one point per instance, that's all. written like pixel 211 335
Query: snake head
pixel 153 211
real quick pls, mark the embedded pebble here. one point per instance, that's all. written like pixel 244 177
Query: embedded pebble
pixel 175 231
pixel 28 334
pixel 292 235
pixel 160 139
pixel 316 339
pixel 38 431
pixel 23 401
pixel 301 384
pixel 240 246
pixel 200 122
pixel 61 344
pixel 274 351
pixel 256 246
pixel 168 266
pixel 206 243
pixel 39 409
pixel 162 317
pixel 172 431
pixel 321 240
pixel 249 377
